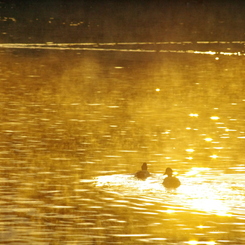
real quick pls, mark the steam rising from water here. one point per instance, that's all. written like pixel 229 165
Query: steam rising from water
pixel 75 124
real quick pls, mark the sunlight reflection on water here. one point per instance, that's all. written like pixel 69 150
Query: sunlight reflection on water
pixel 148 47
pixel 202 189
pixel 71 122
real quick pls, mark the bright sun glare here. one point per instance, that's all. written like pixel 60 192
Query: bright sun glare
pixel 205 197
pixel 214 118
pixel 193 242
pixel 189 150
pixel 193 115
pixel 211 205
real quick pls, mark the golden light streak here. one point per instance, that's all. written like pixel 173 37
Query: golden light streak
pixel 103 46
pixel 208 139
pixel 214 156
pixel 200 226
pixel 158 89
pixel 223 213
pixel 190 150
pixel 205 52
pixel 230 130
pixel 192 242
pixel 214 118
pixel 193 115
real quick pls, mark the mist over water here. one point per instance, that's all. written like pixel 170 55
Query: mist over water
pixel 76 125
pixel 91 90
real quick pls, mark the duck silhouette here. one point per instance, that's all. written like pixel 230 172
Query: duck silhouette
pixel 143 173
pixel 170 181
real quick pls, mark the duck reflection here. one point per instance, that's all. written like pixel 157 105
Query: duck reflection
pixel 170 181
pixel 143 173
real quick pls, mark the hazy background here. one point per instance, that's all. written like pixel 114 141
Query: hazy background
pixel 76 125
pixel 121 21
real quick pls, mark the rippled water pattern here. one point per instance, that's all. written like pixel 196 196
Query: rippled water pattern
pixel 76 126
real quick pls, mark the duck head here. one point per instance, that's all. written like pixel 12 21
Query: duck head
pixel 168 172
pixel 144 166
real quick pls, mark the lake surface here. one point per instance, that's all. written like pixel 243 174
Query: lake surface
pixel 76 125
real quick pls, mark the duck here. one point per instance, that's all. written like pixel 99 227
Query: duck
pixel 143 173
pixel 170 181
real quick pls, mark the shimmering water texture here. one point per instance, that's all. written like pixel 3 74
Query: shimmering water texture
pixel 77 125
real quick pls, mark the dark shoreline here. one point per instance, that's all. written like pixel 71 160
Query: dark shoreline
pixel 127 21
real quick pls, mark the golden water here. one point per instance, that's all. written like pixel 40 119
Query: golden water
pixel 76 125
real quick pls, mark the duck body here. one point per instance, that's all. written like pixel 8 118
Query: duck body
pixel 143 173
pixel 170 181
